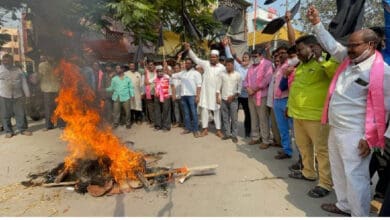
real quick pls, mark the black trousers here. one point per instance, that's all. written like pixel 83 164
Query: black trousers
pixel 162 114
pixel 150 110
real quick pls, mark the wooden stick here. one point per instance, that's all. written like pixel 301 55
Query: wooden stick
pixel 203 170
pixel 61 176
pixel 195 171
pixel 151 175
pixel 70 183
pixel 144 181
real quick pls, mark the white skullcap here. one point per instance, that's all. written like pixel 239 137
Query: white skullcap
pixel 214 52
pixel 159 67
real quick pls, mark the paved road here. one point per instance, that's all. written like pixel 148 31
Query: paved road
pixel 249 181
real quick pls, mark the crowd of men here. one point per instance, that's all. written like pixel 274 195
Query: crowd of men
pixel 331 98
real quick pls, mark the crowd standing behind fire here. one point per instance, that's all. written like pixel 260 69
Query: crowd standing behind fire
pixel 293 91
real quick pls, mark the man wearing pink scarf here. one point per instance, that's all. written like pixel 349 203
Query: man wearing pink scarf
pixel 256 83
pixel 355 109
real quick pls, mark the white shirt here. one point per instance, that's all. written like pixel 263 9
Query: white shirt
pixel 347 107
pixel 176 82
pixel 190 81
pixel 13 83
pixel 229 84
pixel 209 83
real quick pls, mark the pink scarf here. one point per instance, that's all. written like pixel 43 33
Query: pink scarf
pixel 254 78
pixel 162 88
pixel 148 91
pixel 375 111
pixel 278 94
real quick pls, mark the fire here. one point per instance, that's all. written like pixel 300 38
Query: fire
pixel 87 136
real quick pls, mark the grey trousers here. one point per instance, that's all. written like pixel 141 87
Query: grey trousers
pixel 117 111
pixel 229 117
pixel 13 107
pixel 162 113
pixel 178 111
pixel 259 120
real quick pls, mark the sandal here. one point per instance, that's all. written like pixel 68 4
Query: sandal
pixel 318 192
pixel 299 175
pixel 331 207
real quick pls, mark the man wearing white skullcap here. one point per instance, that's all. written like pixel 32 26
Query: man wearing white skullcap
pixel 214 52
pixel 208 100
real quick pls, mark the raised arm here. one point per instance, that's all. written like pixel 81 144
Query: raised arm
pixel 196 59
pixel 290 29
pixel 327 41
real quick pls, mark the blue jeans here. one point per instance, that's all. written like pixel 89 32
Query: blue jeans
pixel 284 124
pixel 190 114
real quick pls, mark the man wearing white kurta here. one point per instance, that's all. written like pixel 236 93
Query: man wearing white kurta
pixel 136 103
pixel 349 144
pixel 208 101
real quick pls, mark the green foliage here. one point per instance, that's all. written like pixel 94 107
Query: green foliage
pixel 139 17
pixel 144 17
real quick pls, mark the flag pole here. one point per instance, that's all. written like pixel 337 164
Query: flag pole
pixel 254 24
pixel 163 49
pixel 182 20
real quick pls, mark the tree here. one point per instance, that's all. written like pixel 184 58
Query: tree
pixel 142 18
pixel 373 15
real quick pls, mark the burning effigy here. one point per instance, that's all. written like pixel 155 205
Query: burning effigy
pixel 98 162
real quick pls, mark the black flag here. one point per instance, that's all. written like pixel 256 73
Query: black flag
pixel 225 14
pixel 190 27
pixel 138 56
pixel 267 2
pixel 160 41
pixel 348 19
pixel 273 26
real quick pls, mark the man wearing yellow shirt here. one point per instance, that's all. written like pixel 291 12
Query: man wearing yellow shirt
pixel 306 101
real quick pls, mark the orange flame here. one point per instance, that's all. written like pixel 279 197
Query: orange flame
pixel 88 138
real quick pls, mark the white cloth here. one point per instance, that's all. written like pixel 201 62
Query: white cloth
pixel 176 82
pixel 152 77
pixel 270 93
pixel 229 84
pixel 205 118
pixel 350 172
pixel 387 134
pixel 347 108
pixel 209 83
pixel 136 79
